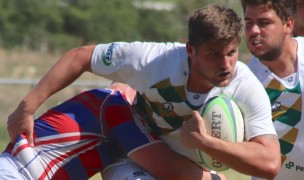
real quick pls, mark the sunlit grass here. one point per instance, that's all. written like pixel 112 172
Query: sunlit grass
pixel 3 137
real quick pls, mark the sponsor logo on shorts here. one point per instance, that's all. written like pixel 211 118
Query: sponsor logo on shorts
pixel 196 96
pixel 107 57
pixel 139 173
pixel 291 165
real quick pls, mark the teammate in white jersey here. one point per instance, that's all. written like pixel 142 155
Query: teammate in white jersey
pixel 172 81
pixel 279 65
pixel 299 19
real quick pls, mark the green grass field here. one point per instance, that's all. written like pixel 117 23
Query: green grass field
pixel 3 136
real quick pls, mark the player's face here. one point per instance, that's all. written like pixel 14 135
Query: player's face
pixel 265 32
pixel 212 64
pixel 299 20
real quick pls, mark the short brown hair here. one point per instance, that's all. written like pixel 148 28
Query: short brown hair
pixel 284 8
pixel 214 24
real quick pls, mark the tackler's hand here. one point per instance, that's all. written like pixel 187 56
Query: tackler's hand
pixel 20 122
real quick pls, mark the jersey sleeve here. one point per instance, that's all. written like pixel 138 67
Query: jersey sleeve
pixel 139 64
pixel 109 59
pixel 124 62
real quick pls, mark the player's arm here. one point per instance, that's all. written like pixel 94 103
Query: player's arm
pixel 163 163
pixel 260 156
pixel 68 68
pixel 142 145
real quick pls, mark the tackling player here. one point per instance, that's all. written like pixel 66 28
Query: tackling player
pixel 87 133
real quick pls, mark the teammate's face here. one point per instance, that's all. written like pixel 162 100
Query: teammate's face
pixel 212 64
pixel 265 32
pixel 299 20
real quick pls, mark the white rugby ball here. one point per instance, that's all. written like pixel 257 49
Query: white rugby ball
pixel 223 119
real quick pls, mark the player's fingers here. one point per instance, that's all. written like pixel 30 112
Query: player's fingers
pixel 12 136
pixel 196 115
pixel 222 176
pixel 29 136
pixel 11 132
pixel 13 128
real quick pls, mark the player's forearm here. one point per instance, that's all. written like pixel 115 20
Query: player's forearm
pixel 163 163
pixel 66 70
pixel 260 157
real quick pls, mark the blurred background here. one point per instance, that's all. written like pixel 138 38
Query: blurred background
pixel 35 33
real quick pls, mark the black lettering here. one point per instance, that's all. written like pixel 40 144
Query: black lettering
pixel 299 168
pixel 216 125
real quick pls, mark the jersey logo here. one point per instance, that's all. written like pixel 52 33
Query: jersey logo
pixel 107 57
pixel 276 106
pixel 167 107
pixel 196 96
pixel 290 79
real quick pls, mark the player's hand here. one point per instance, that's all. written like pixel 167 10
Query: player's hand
pixel 222 176
pixel 193 130
pixel 129 92
pixel 20 122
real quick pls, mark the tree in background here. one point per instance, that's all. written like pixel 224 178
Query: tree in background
pixel 59 25
pixel 48 25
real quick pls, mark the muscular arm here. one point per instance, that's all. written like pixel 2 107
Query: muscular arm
pixel 259 157
pixel 68 68
pixel 130 132
pixel 163 163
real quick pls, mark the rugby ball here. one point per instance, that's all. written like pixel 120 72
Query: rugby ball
pixel 223 119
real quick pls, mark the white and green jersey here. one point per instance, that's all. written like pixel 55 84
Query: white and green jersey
pixel 287 107
pixel 159 72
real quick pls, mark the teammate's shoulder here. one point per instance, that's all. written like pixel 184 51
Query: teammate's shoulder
pixel 243 75
pixel 241 67
pixel 299 38
pixel 261 71
pixel 256 66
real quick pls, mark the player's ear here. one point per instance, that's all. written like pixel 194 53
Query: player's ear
pixel 190 50
pixel 289 25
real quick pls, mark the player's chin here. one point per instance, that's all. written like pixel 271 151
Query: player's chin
pixel 224 82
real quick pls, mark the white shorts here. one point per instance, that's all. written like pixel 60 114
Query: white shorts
pixel 125 169
pixel 8 168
